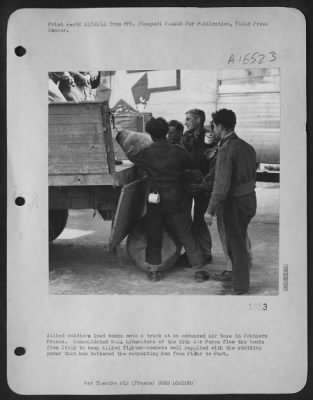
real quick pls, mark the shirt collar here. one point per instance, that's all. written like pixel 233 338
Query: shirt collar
pixel 225 138
pixel 202 130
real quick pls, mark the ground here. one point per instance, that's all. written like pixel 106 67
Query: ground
pixel 81 264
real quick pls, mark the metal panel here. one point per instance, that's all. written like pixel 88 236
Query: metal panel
pixel 141 121
pixel 130 209
pixel 254 95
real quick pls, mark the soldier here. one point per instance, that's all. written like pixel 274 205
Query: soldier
pixel 193 141
pixel 175 132
pixel 234 186
pixel 82 86
pixel 168 203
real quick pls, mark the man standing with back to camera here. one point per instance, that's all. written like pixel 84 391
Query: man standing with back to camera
pixel 234 185
pixel 168 204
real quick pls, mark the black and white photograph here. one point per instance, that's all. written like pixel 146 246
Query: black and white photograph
pixel 140 202
pixel 156 202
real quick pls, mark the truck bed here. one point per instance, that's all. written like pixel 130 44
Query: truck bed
pixel 81 150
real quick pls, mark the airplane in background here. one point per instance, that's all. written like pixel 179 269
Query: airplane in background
pixel 252 93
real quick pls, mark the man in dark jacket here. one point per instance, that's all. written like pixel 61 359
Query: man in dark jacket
pixel 169 204
pixel 234 185
pixel 194 143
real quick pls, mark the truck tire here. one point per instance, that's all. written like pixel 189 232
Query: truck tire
pixel 57 223
pixel 136 248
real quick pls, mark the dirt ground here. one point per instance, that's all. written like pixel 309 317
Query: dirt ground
pixel 80 263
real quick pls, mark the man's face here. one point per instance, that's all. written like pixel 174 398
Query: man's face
pixel 192 121
pixel 173 135
pixel 217 130
pixel 209 137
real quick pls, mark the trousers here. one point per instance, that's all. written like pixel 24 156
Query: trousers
pixel 199 225
pixel 238 212
pixel 222 235
pixel 179 224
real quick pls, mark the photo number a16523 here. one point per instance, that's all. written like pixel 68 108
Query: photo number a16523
pixel 255 57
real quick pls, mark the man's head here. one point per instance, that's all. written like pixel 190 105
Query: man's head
pixel 175 132
pixel 194 119
pixel 157 128
pixel 210 138
pixel 224 121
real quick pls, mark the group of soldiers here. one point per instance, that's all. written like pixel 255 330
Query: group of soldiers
pixel 213 171
pixel 193 175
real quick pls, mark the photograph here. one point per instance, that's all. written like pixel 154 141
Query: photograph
pixel 157 187
pixel 164 182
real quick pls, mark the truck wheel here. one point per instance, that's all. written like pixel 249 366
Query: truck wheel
pixel 57 222
pixel 136 248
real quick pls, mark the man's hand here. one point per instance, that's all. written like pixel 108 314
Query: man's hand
pixel 117 131
pixel 93 75
pixel 209 218
pixel 82 80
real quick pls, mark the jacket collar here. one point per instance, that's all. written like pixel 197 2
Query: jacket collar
pixel 190 134
pixel 160 142
pixel 229 136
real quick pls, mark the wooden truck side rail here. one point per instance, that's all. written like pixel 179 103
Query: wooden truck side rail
pixel 82 170
pixel 81 149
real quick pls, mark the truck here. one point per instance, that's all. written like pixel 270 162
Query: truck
pixel 85 172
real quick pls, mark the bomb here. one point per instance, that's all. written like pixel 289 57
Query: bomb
pixel 136 245
pixel 132 142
